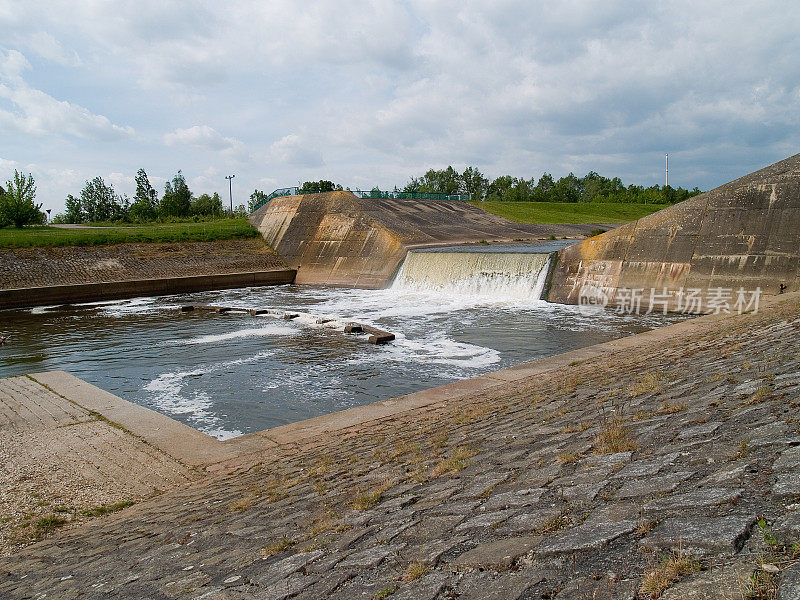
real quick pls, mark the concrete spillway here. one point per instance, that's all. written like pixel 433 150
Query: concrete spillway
pixel 336 238
pixel 494 275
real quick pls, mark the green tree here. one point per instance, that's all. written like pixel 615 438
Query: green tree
pixel 446 181
pixel 256 197
pixel 145 201
pixel 205 205
pixel 317 187
pixel 177 199
pixel 498 189
pixel 100 203
pixel 73 211
pixel 17 204
pixel 474 183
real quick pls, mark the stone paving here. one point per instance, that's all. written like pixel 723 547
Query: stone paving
pixel 42 267
pixel 584 482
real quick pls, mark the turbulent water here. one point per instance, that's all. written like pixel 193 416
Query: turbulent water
pixel 233 373
pixel 499 276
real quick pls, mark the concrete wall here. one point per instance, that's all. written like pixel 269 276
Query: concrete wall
pixel 745 233
pixel 90 292
pixel 336 238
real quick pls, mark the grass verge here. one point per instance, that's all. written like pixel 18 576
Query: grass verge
pixel 29 237
pixel 569 212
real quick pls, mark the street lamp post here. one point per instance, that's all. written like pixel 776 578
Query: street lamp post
pixel 230 189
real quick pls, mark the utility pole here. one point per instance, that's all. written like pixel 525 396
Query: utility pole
pixel 666 171
pixel 230 189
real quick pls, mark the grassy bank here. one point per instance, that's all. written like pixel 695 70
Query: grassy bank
pixel 226 229
pixel 569 212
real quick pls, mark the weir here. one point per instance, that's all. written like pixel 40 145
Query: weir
pixel 512 275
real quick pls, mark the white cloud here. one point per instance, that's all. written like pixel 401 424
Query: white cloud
pixel 31 111
pixel 203 136
pixel 296 151
pixel 45 45
pixel 370 92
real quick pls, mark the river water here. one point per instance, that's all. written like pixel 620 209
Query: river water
pixel 228 374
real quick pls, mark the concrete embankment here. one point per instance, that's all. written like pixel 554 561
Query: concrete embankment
pixel 567 478
pixel 744 234
pixel 337 238
pixel 40 276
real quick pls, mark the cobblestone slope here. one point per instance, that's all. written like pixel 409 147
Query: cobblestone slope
pixel 42 267
pixel 578 483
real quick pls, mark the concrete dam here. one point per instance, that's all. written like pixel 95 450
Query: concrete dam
pixel 337 238
pixel 742 235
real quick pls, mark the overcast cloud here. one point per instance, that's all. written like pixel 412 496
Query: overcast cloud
pixel 369 93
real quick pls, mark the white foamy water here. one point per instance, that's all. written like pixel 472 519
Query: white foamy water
pixel 265 331
pixel 495 276
pixel 167 394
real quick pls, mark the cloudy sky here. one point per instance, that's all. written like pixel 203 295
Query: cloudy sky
pixel 370 93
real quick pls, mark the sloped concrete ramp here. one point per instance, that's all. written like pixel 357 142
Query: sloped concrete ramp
pixel 337 238
pixel 744 234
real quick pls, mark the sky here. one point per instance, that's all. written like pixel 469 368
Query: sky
pixel 371 93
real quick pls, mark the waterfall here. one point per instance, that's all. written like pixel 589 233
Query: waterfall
pixel 493 275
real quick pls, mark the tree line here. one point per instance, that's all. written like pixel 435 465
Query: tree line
pixel 98 202
pixel 592 187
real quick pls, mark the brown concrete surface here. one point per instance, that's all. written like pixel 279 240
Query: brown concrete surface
pixel 745 233
pixel 337 238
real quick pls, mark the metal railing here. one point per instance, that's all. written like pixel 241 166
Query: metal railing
pixel 410 195
pixel 374 193
pixel 288 191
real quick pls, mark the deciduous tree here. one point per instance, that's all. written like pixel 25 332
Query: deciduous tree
pixel 17 204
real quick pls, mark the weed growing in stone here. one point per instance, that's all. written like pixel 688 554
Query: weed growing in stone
pixel 668 409
pixel 670 571
pixel 566 458
pixel 245 502
pixel 47 524
pixel 761 585
pixel 415 571
pixel 278 546
pixel 366 500
pixel 555 524
pixel 742 452
pixel 760 395
pixel 649 383
pixel 457 461
pixel 104 509
pixel 615 436
pixel 385 592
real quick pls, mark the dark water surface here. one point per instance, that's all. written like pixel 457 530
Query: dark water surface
pixel 232 373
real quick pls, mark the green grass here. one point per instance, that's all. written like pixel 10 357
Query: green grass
pixel 569 212
pixel 104 509
pixel 224 229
